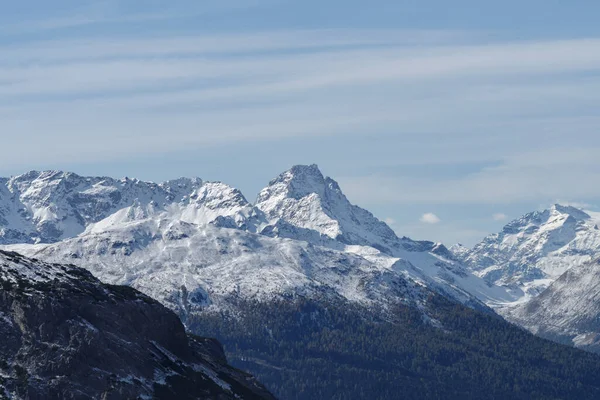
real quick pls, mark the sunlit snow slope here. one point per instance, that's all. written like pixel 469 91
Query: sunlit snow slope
pixel 534 250
pixel 197 245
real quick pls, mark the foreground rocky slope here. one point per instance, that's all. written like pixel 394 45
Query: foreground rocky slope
pixel 66 335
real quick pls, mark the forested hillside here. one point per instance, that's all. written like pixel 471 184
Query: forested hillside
pixel 302 350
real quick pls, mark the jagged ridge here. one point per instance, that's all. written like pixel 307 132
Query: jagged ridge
pixel 190 239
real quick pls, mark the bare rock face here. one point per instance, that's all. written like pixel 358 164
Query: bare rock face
pixel 65 335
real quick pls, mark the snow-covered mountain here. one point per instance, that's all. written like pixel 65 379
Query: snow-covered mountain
pixel 195 245
pixel 46 207
pixel 305 205
pixel 549 260
pixel 193 268
pixel 534 250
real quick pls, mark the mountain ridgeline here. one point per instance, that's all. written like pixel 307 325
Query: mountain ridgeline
pixel 302 236
pixel 310 293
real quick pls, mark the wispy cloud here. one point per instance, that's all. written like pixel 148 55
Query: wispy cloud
pixel 115 12
pixel 232 57
pixel 526 176
pixel 166 94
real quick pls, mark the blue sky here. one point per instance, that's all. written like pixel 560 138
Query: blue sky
pixel 472 111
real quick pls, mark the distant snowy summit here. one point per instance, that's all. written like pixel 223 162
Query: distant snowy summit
pixel 195 244
pixel 534 250
pixel 550 261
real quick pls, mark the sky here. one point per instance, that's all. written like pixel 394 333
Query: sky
pixel 445 119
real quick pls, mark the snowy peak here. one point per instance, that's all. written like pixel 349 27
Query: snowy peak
pixel 299 182
pixel 217 204
pixel 298 197
pixel 549 218
pixel 52 205
pixel 49 206
pixel 215 195
pixel 178 189
pixel 303 204
pixel 571 211
pixel 459 251
pixel 535 249
pixel 441 250
pixel 296 183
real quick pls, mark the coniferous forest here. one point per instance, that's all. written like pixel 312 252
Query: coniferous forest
pixel 306 350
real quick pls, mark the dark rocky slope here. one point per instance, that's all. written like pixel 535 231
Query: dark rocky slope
pixel 65 335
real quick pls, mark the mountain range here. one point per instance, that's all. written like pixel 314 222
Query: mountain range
pixel 302 258
pixel 193 244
